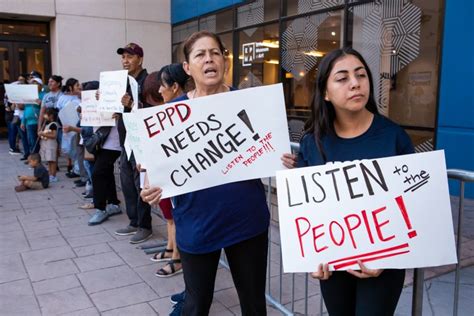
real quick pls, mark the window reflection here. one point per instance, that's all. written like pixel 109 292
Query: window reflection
pixel 258 56
pixel 304 42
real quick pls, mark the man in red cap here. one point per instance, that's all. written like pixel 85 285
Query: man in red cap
pixel 138 212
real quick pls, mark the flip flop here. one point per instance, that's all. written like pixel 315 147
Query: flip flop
pixel 160 256
pixel 162 273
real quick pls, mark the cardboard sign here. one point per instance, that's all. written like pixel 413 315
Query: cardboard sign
pixel 21 93
pixel 113 85
pixel 208 141
pixel 89 114
pixel 389 213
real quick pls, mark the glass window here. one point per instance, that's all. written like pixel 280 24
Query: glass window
pixel 303 6
pixel 182 31
pixel 31 59
pixel 216 23
pixel 24 28
pixel 304 42
pixel 258 12
pixel 258 56
pixel 5 67
pixel 178 55
pixel 401 42
pixel 227 41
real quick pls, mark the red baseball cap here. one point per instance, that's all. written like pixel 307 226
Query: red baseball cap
pixel 132 49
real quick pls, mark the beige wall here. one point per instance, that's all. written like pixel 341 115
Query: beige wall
pixel 85 34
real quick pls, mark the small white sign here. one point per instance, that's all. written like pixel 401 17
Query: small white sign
pixel 112 86
pixel 22 93
pixel 89 114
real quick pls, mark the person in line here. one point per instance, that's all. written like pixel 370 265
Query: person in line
pixel 138 212
pixel 71 92
pixel 106 202
pixel 51 98
pixel 172 80
pixel 48 142
pixel 40 178
pixel 11 121
pixel 344 126
pixel 18 111
pixel 233 216
pixel 29 123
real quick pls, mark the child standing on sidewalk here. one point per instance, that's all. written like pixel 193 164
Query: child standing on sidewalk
pixel 40 178
pixel 49 145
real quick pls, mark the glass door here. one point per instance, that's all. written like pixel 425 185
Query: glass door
pixel 20 58
pixel 6 75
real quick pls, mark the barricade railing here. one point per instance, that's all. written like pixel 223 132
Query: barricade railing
pixel 462 176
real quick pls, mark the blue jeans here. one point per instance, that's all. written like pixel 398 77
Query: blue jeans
pixel 32 134
pixel 24 141
pixel 12 133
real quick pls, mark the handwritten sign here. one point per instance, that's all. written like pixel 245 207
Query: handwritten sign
pixel 208 141
pixel 388 213
pixel 132 139
pixel 22 93
pixel 89 114
pixel 113 85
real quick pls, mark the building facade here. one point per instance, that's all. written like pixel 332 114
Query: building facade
pixel 79 38
pixel 405 43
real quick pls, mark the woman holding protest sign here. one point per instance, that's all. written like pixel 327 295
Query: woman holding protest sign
pixel 345 126
pixel 233 217
pixel 172 80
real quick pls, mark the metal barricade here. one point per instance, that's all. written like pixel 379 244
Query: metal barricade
pixel 462 176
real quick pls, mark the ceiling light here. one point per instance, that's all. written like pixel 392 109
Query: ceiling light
pixel 314 53
pixel 333 33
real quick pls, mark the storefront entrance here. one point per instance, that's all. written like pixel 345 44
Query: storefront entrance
pixel 24 47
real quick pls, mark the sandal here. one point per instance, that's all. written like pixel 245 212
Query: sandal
pixel 160 256
pixel 162 273
pixel 87 206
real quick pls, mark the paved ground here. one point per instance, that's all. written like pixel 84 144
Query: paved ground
pixel 52 263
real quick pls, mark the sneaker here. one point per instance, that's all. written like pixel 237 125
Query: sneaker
pixel 21 188
pixel 14 152
pixel 72 174
pixel 24 158
pixel 141 236
pixel 177 309
pixel 98 217
pixel 113 209
pixel 176 298
pixel 80 184
pixel 89 196
pixel 53 179
pixel 129 230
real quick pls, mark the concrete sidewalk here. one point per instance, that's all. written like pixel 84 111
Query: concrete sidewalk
pixel 52 263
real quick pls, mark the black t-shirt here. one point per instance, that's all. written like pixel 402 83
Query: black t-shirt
pixel 41 175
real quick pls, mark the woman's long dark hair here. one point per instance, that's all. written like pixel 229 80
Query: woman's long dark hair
pixel 69 85
pixel 173 73
pixel 321 121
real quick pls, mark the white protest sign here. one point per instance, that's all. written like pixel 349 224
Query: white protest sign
pixel 22 93
pixel 89 114
pixel 389 213
pixel 68 114
pixel 134 88
pixel 208 141
pixel 132 139
pixel 112 86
